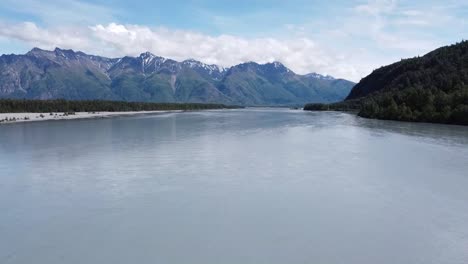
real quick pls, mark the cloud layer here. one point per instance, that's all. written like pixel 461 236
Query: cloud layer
pixel 360 37
pixel 302 55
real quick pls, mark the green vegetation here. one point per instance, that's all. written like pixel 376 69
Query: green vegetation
pixel 432 88
pixel 45 106
pixel 318 107
pixel 347 106
pixel 419 105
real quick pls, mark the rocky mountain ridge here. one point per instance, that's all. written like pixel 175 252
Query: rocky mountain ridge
pixel 68 74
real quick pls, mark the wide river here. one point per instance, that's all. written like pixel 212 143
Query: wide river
pixel 251 186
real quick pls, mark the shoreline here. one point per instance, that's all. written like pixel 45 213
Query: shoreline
pixel 12 118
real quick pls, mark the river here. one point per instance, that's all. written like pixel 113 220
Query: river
pixel 233 186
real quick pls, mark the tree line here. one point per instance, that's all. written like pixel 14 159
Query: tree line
pixel 419 105
pixel 60 105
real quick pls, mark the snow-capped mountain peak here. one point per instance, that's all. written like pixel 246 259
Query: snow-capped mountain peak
pixel 147 77
pixel 147 57
pixel 211 68
pixel 151 62
pixel 280 66
pixel 320 77
pixel 277 64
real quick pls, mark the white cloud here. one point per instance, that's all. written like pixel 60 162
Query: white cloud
pixel 376 7
pixel 410 27
pixel 389 26
pixel 74 38
pixel 302 55
pixel 348 44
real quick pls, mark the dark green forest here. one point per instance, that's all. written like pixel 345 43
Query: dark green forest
pixel 45 106
pixel 419 105
pixel 432 88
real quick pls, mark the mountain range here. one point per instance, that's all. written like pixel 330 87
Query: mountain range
pixel 66 74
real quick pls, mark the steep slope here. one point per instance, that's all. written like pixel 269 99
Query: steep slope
pixel 55 74
pixel 66 74
pixel 273 83
pixel 432 88
pixel 156 79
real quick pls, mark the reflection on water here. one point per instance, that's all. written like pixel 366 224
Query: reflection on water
pixel 237 186
pixel 436 132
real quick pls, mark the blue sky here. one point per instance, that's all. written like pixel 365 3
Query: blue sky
pixel 345 39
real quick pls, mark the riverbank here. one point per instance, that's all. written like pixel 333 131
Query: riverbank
pixel 67 106
pixel 19 110
pixel 8 118
pixel 374 109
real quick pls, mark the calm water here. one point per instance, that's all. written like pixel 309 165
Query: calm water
pixel 240 186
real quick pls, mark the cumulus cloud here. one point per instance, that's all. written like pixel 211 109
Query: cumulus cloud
pixel 375 33
pixel 302 55
pixel 347 45
pixel 29 32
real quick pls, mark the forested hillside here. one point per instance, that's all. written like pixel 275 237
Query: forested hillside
pixel 432 88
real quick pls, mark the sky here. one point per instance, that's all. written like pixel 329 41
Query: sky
pixel 342 38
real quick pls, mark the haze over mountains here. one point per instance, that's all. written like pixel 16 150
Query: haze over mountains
pixel 41 74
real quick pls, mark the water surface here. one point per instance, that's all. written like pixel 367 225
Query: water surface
pixel 238 186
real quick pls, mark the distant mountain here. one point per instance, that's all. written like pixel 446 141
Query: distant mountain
pixel 432 88
pixel 41 74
